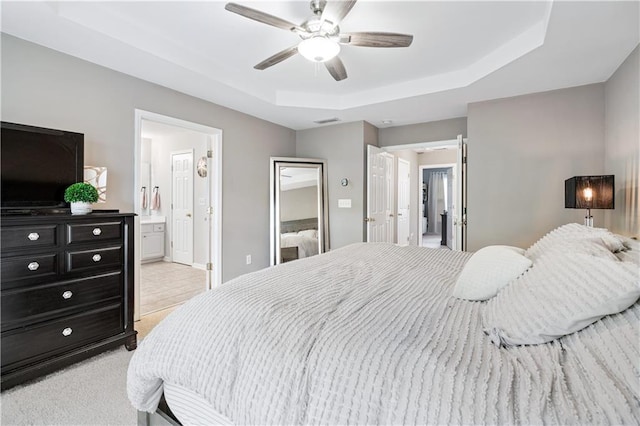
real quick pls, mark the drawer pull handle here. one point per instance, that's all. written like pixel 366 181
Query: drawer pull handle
pixel 33 266
pixel 67 332
pixel 67 294
pixel 34 236
pixel 97 231
pixel 96 258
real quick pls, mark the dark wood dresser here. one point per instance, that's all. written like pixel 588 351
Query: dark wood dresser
pixel 66 290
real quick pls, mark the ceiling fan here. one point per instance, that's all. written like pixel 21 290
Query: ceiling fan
pixel 321 36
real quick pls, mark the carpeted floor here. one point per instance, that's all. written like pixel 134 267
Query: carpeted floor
pixel 91 392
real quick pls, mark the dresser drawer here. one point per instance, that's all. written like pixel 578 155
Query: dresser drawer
pixel 95 231
pixel 60 335
pixel 23 237
pixel 18 268
pixel 88 260
pixel 23 306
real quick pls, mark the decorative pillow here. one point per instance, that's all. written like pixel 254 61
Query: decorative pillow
pixel 488 270
pixel 309 233
pixel 561 294
pixel 629 243
pixel 613 243
pixel 631 252
pixel 577 238
pixel 593 246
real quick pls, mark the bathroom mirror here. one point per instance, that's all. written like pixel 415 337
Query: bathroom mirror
pixel 299 211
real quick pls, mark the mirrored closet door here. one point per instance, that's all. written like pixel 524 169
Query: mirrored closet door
pixel 299 211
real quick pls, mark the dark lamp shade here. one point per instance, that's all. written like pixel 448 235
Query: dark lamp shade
pixel 589 192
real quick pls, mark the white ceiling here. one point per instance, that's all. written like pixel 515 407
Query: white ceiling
pixel 462 52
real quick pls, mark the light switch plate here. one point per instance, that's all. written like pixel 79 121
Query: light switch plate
pixel 344 203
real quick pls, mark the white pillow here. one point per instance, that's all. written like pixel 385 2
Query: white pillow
pixel 561 294
pixel 613 243
pixel 488 270
pixel 576 238
pixel 631 252
pixel 309 233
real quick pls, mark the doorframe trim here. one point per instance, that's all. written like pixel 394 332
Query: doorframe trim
pixel 215 193
pixel 398 160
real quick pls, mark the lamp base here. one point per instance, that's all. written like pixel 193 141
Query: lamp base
pixel 588 219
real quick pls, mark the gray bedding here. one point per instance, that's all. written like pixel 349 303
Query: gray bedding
pixel 369 334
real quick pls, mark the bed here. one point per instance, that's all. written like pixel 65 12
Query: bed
pixel 299 239
pixel 373 334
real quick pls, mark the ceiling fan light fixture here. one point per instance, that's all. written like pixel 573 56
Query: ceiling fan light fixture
pixel 318 49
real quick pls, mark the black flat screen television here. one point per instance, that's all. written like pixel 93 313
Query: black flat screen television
pixel 38 164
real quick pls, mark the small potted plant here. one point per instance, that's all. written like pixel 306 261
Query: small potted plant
pixel 81 195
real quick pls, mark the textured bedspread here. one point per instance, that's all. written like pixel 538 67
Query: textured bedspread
pixel 306 246
pixel 369 334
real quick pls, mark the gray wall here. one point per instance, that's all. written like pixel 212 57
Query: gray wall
pixel 45 88
pixel 444 156
pixel 423 132
pixel 622 144
pixel 299 203
pixel 520 151
pixel 342 145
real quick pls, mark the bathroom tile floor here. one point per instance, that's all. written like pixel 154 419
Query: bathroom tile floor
pixel 166 284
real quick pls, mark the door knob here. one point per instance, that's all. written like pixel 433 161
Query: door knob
pixel 188 214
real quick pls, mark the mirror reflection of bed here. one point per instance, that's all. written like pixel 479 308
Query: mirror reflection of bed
pixel 299 239
pixel 299 212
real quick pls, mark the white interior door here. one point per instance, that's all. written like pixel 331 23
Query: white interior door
pixel 182 207
pixel 404 194
pixel 379 195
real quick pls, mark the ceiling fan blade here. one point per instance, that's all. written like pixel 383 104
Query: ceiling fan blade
pixel 335 11
pixel 265 18
pixel 376 39
pixel 277 58
pixel 336 68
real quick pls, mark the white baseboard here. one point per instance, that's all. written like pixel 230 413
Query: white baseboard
pixel 199 266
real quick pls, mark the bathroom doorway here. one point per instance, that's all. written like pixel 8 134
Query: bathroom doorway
pixel 437 191
pixel 178 164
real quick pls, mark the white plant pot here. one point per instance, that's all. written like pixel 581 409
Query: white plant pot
pixel 79 207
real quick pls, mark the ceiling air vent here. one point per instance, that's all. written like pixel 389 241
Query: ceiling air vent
pixel 327 120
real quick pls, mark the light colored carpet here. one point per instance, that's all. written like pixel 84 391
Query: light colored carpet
pixel 91 392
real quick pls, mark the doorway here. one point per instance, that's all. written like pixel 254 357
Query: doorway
pixel 178 202
pixel 455 150
pixel 437 190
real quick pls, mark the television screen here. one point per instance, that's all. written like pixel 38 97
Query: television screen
pixel 38 164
